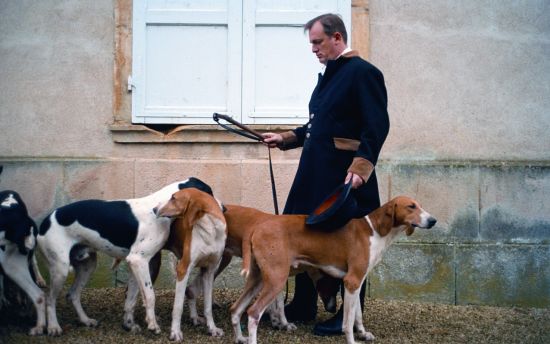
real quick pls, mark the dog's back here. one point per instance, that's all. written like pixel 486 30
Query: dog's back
pixel 109 226
pixel 241 223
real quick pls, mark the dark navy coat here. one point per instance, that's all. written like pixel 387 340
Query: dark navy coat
pixel 349 105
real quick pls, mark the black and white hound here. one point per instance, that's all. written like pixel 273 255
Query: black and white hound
pixel 17 242
pixel 123 229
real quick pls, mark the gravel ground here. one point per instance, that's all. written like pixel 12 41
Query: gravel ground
pixel 390 322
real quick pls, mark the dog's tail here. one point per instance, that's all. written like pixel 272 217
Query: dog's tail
pixel 247 254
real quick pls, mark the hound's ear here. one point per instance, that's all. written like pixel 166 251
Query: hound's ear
pixel 193 213
pixel 388 218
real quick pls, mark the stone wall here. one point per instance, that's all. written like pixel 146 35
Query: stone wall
pixel 468 100
pixel 491 244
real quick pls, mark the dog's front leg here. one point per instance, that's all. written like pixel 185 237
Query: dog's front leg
pixel 208 287
pixel 58 264
pixel 276 311
pixel 15 266
pixel 251 289
pixel 351 301
pixel 192 293
pixel 179 299
pixel 140 269
pixel 83 272
pixel 361 332
pixel 130 304
pixel 175 330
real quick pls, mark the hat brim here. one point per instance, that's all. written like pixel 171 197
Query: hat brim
pixel 335 210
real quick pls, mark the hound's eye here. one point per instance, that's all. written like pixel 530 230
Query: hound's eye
pixel 412 206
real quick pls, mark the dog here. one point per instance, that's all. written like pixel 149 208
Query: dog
pixel 197 238
pixel 123 229
pixel 282 244
pixel 17 242
pixel 241 222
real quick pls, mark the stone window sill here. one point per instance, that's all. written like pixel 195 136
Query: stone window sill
pixel 200 133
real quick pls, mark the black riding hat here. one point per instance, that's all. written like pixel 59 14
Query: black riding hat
pixel 335 211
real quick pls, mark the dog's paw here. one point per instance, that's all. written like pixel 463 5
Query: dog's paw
pixel 54 330
pixel 176 335
pixel 36 331
pixel 279 325
pixel 215 332
pixel 131 326
pixel 365 335
pixel 198 320
pixel 289 327
pixel 241 340
pixel 90 322
pixel 154 328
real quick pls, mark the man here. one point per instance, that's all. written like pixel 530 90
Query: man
pixel 347 126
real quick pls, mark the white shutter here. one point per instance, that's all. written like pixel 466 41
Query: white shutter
pixel 279 69
pixel 186 60
pixel 249 59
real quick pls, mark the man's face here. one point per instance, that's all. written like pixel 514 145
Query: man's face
pixel 323 46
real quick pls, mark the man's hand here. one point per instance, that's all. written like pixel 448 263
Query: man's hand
pixel 356 180
pixel 272 140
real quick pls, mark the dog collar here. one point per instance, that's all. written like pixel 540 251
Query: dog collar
pixel 370 223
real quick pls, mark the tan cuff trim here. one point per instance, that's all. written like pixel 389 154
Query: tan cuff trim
pixel 346 144
pixel 289 139
pixel 362 167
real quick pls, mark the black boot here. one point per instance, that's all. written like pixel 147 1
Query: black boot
pixel 333 326
pixel 303 306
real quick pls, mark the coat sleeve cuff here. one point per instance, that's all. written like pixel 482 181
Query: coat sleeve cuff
pixel 362 167
pixel 290 140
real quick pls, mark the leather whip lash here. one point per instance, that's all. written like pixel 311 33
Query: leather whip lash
pixel 253 135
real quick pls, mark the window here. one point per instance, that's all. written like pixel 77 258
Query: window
pixel 249 59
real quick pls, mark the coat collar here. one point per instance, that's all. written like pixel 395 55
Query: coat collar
pixel 334 65
pixel 350 54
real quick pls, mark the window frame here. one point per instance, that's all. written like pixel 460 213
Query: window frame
pixel 125 132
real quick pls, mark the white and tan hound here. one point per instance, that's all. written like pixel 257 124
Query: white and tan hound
pixel 283 243
pixel 197 238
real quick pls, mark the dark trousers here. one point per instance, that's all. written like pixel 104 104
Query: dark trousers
pixel 305 294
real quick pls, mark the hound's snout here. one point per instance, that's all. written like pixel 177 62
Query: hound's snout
pixel 431 222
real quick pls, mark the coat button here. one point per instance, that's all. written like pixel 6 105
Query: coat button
pixel 307 135
pixel 309 125
pixel 312 115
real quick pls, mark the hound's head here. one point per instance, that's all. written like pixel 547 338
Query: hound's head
pixel 15 223
pixel 405 212
pixel 196 183
pixel 190 204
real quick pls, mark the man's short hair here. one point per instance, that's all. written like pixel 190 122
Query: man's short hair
pixel 332 23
